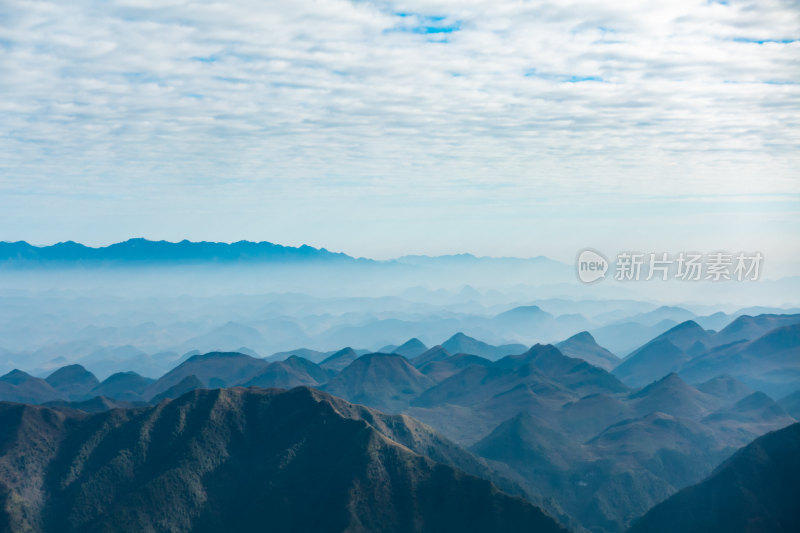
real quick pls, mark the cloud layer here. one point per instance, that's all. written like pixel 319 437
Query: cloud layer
pixel 415 103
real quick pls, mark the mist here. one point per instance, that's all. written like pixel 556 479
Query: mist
pixel 148 317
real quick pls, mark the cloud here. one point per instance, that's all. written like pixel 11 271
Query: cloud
pixel 496 101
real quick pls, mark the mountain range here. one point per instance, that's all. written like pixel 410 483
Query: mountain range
pixel 761 351
pixel 591 447
pixel 756 490
pixel 244 459
pixel 145 251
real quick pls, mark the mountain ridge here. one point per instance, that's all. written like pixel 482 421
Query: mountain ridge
pixel 201 463
pixel 754 490
pixel 140 250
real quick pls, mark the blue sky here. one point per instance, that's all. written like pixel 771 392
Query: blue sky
pixel 387 128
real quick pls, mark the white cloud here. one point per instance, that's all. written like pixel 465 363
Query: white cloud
pixel 503 101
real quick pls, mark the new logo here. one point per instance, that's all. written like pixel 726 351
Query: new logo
pixel 591 265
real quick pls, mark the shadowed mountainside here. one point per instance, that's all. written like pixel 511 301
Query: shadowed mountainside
pixel 239 460
pixel 580 435
pixel 754 491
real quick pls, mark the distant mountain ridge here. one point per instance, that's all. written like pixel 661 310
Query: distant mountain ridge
pixel 140 250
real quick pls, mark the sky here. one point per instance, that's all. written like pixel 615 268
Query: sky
pixel 502 128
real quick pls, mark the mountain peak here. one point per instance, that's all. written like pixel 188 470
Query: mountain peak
pixel 725 387
pixel 411 348
pixel 15 377
pixel 687 326
pixel 524 311
pixel 461 343
pixel 413 342
pixel 120 376
pixel 69 372
pixel 756 400
pixel 584 346
pixel 539 351
pixel 670 382
pixel 387 381
pixel 584 337
pixel 673 396
pixel 339 360
pixel 738 324
pixel 217 355
pixel 437 353
pixel 346 351
pixel 684 335
pixel 649 363
pixel 187 384
pixel 672 379
pixel 375 473
pixel 73 380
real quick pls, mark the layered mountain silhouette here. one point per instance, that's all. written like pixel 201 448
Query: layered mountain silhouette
pixel 666 353
pixel 409 349
pixel 215 369
pixel 437 353
pixel 624 337
pixel 612 478
pixel 142 409
pixel 306 353
pixel 762 358
pixel 385 381
pixel 592 449
pixel 672 395
pixel 726 388
pixel 339 360
pixel 98 404
pixel 753 415
pixel 73 381
pixel 476 384
pixel 650 362
pixel 291 372
pixel 756 490
pixel 583 346
pixel 791 403
pixel 469 402
pixel 746 327
pixel 19 386
pixel 580 376
pixel 240 460
pixel 145 251
pixel 605 456
pixel 227 337
pixel 187 384
pixel 460 343
pixel 442 369
pixel 522 317
pixel 770 363
pixel 128 386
